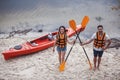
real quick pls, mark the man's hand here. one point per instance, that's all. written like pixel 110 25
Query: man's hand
pixel 104 48
pixel 81 44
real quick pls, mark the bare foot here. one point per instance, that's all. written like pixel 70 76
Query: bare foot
pixel 98 68
pixel 94 68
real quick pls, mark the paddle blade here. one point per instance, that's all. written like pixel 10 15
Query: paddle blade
pixel 90 65
pixel 72 24
pixel 85 21
pixel 62 66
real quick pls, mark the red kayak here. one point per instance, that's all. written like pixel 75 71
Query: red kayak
pixel 36 45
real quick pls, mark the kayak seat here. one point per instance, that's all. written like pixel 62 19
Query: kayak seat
pixel 33 44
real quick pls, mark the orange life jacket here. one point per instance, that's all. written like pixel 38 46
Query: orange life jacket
pixel 61 40
pixel 99 41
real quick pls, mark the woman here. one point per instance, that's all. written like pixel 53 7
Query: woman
pixel 61 43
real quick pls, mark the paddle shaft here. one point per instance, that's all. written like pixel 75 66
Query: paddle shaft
pixel 74 44
pixel 71 48
pixel 83 47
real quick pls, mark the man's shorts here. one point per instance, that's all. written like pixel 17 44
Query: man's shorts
pixel 97 53
pixel 59 49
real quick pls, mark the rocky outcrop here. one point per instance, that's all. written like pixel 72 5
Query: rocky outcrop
pixel 115 43
pixel 18 32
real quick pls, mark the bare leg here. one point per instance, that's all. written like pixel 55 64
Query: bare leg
pixel 99 60
pixel 59 57
pixel 63 56
pixel 95 59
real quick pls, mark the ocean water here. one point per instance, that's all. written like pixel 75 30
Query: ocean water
pixel 48 15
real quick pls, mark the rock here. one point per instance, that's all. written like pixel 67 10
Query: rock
pixel 18 32
pixel 40 30
pixel 115 43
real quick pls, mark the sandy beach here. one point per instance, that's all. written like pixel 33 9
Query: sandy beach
pixel 44 64
pixel 24 20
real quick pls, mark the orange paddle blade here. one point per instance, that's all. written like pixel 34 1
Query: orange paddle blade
pixel 62 66
pixel 90 65
pixel 72 24
pixel 85 21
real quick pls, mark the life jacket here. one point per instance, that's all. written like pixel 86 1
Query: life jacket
pixel 99 41
pixel 61 40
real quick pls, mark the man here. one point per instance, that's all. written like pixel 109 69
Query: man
pixel 100 39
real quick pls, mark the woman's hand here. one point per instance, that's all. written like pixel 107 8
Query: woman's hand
pixel 73 41
pixel 53 49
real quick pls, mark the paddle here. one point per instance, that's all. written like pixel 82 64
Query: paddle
pixel 83 24
pixel 62 65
